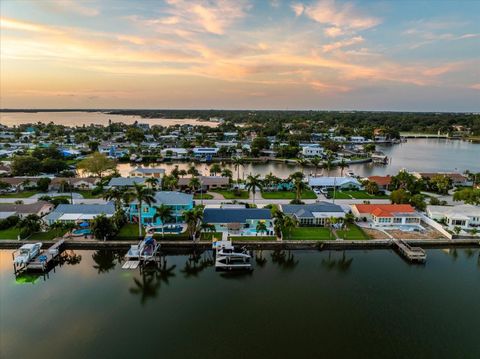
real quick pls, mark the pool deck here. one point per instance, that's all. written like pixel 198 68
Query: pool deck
pixel 290 245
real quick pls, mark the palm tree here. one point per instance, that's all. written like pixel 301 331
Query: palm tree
pixel 300 186
pixel 316 163
pixel 192 170
pixel 182 173
pixel 237 163
pixel 215 168
pixel 289 223
pixel 253 182
pixel 163 212
pixel 328 165
pixel 302 162
pixel 278 219
pixel 142 195
pixel 261 227
pixel 343 164
pixel 194 184
pixel 193 218
pixel 152 182
pixel 169 182
pixel 227 173
pixel 115 195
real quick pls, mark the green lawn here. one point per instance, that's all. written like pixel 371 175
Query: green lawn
pixel 253 238
pixel 9 233
pixel 89 195
pixel 229 194
pixel 23 194
pixel 204 196
pixel 288 195
pixel 46 236
pixel 309 234
pixel 208 236
pixel 356 195
pixel 354 232
pixel 129 232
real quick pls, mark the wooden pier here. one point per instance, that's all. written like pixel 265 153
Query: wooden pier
pixel 413 254
pixel 45 258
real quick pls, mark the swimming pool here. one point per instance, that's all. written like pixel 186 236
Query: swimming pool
pixel 175 229
pixel 82 232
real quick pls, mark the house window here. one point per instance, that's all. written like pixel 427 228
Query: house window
pixel 397 220
pixel 145 209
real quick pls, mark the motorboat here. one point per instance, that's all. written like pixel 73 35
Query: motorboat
pixel 26 253
pixel 350 173
pixel 146 250
pixel 228 259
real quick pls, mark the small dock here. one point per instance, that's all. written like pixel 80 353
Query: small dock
pixel 412 254
pixel 45 258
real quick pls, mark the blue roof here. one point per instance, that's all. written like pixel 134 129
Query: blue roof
pixel 307 210
pixel 108 209
pixel 173 198
pixel 234 215
pixel 125 181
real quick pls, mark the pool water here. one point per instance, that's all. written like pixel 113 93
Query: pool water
pixel 84 231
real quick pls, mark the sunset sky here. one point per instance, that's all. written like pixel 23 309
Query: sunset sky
pixel 364 55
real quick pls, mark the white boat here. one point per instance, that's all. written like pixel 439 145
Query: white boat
pixel 228 259
pixel 26 253
pixel 146 250
pixel 350 173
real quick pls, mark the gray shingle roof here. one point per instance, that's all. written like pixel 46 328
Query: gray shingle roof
pixel 234 215
pixel 125 181
pixel 108 208
pixel 173 198
pixel 306 210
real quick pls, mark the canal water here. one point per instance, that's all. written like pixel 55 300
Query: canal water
pixel 425 155
pixel 302 304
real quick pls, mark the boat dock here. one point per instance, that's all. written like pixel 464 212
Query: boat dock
pixel 413 254
pixel 45 258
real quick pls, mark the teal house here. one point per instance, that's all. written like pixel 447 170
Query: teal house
pixel 177 201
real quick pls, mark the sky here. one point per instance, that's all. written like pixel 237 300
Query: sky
pixel 241 54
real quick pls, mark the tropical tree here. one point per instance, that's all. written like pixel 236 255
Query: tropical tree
pixel 342 164
pixel 261 227
pixel 289 223
pixel 278 219
pixel 371 187
pixel 194 183
pixel 457 230
pixel 192 170
pixel 169 182
pixel 193 219
pixel 328 164
pixel 28 225
pixel 237 163
pixel 226 172
pixel 142 195
pixel 316 163
pixel 300 186
pixel 97 164
pixel 253 182
pixel 152 182
pixel 302 162
pixel 103 227
pixel 163 212
pixel 215 168
pixel 115 195
pixel 182 173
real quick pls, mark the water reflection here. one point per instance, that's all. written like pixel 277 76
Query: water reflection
pixel 196 263
pixel 152 277
pixel 284 259
pixel 105 260
pixel 260 259
pixel 342 265
pixel 69 257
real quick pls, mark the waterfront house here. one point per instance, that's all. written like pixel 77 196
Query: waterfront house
pixel 342 183
pixel 177 201
pixel 20 183
pixel 147 172
pixel 465 216
pixel 312 151
pixel 358 139
pixel 174 153
pixel 315 214
pixel 383 182
pixel 205 153
pixel 125 182
pixel 73 213
pixel 239 221
pixel 387 214
pixel 457 178
pixel 207 182
pixel 78 183
pixel 39 208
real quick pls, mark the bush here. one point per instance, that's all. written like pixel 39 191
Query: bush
pixel 9 222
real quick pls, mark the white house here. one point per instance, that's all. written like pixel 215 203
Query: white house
pixel 465 216
pixel 174 152
pixel 312 151
pixel 331 182
pixel 147 172
pixel 358 139
pixel 205 152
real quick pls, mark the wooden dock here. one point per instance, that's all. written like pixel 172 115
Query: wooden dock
pixel 45 258
pixel 413 254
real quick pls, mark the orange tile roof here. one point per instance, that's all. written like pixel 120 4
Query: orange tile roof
pixel 384 210
pixel 381 180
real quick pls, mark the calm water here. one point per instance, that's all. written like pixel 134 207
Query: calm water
pixel 300 305
pixel 72 118
pixel 415 155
